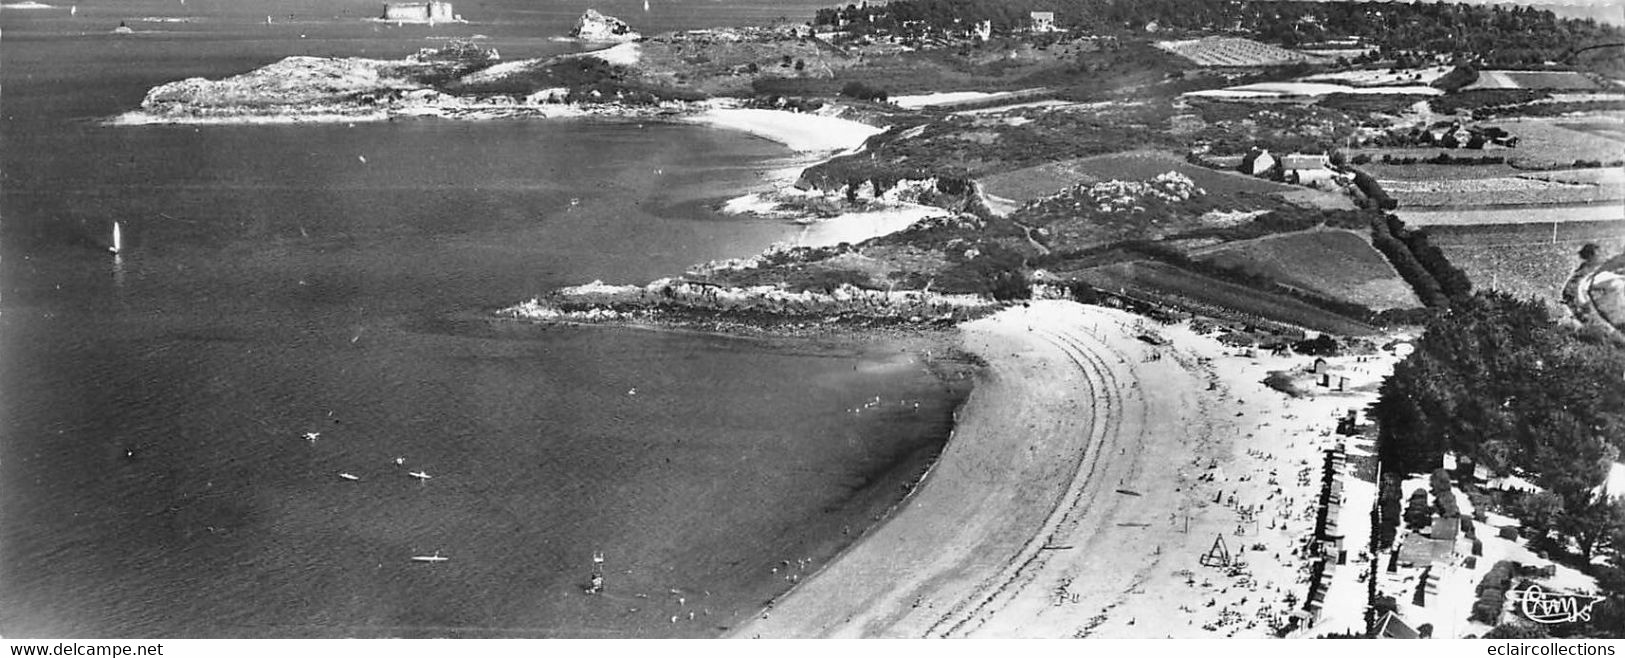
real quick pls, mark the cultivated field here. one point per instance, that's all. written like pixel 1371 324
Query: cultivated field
pixel 1541 215
pixel 1335 263
pixel 1202 294
pixel 1047 179
pixel 1531 80
pixel 1523 259
pixel 1502 190
pixel 1381 77
pixel 1612 178
pixel 1230 51
pixel 1548 144
pixel 1435 172
pixel 1605 129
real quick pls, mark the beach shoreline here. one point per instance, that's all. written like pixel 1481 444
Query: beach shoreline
pixel 1086 476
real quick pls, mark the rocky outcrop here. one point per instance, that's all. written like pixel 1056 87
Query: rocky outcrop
pixel 673 299
pixel 594 26
pixel 295 81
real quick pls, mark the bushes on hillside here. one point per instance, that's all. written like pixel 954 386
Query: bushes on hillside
pixel 1388 511
pixel 1373 191
pixel 1457 78
pixel 1482 98
pixel 1405 263
pixel 1417 513
pixel 1445 159
pixel 1492 593
pixel 1444 499
pixel 1452 282
pixel 861 91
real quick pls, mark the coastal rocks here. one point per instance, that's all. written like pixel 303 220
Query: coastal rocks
pixel 594 26
pixel 550 95
pixel 598 302
pixel 293 81
pixel 955 195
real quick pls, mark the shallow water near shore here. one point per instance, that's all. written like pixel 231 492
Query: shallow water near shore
pixel 336 279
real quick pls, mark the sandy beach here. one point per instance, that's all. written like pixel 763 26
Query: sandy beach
pixel 803 132
pixel 1089 472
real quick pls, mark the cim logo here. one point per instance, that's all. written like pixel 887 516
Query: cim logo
pixel 1543 607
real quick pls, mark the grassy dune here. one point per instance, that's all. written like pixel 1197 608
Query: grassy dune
pixel 1210 296
pixel 1335 263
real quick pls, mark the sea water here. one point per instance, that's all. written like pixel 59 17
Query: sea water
pixel 338 281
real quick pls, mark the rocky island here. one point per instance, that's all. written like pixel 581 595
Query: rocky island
pixel 593 26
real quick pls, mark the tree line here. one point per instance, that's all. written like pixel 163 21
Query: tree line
pixel 1496 379
pixel 1496 35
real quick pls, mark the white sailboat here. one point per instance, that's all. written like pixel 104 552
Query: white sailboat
pixel 437 557
pixel 118 239
pixel 645 5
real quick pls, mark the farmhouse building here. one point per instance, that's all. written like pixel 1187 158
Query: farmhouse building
pixel 1043 21
pixel 419 12
pixel 983 31
pixel 1257 163
pixel 1313 170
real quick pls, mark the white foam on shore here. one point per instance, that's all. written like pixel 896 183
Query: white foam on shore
pixel 139 118
pixel 855 227
pixel 917 101
pixel 29 4
pixel 799 131
pixel 452 112
pixel 851 227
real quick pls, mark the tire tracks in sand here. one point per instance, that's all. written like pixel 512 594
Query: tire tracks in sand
pixel 1033 456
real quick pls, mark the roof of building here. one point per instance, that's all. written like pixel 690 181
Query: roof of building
pixel 1393 628
pixel 1420 550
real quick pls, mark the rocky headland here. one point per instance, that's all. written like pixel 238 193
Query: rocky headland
pixel 593 26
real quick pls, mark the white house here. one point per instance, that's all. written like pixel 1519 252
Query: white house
pixel 1043 21
pixel 1257 163
pixel 983 31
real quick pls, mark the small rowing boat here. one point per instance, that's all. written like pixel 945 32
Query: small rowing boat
pixel 437 557
pixel 419 475
pixel 349 477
